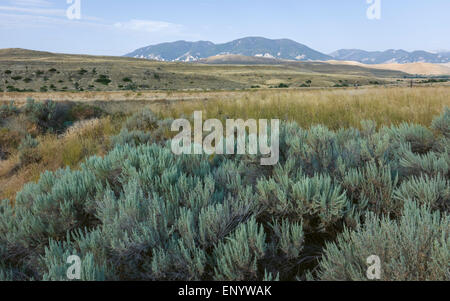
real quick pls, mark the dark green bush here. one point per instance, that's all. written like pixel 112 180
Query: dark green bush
pixel 81 111
pixel 12 89
pixel 103 79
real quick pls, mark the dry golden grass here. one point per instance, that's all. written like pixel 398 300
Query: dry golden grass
pixel 333 108
pixel 90 138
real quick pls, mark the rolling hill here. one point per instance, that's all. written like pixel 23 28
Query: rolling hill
pixel 424 69
pixel 30 71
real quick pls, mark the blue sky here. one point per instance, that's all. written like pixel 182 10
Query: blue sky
pixel 114 27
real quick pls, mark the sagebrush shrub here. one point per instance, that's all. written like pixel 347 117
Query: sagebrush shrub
pixel 28 151
pixel 144 120
pixel 8 110
pixel 442 123
pixel 132 138
pixel 432 163
pixel 141 213
pixel 371 187
pixel 317 201
pixel 417 248
pixel 431 191
pixel 43 114
pixel 419 137
pixel 237 258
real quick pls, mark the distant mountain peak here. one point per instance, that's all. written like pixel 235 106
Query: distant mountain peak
pixel 249 46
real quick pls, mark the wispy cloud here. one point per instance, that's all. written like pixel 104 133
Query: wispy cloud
pixel 40 3
pixel 33 7
pixel 15 21
pixel 34 10
pixel 149 26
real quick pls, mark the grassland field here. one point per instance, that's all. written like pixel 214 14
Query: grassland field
pixel 337 96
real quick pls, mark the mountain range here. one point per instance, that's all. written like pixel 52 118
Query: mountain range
pixel 390 56
pixel 285 49
pixel 252 46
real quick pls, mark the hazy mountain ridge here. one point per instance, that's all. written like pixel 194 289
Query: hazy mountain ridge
pixel 390 56
pixel 285 49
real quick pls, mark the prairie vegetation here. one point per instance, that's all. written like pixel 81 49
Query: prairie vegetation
pixel 85 128
pixel 33 71
pixel 103 184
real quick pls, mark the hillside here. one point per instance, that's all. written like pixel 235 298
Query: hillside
pixel 426 69
pixel 32 71
pixel 236 59
pixel 328 67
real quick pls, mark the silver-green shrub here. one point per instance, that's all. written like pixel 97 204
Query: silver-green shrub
pixel 414 248
pixel 142 213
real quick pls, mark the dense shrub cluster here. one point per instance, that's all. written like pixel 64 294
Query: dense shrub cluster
pixel 335 198
pixel 38 118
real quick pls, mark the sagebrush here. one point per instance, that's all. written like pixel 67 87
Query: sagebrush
pixel 335 198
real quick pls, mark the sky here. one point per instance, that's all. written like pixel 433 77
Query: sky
pixel 113 27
